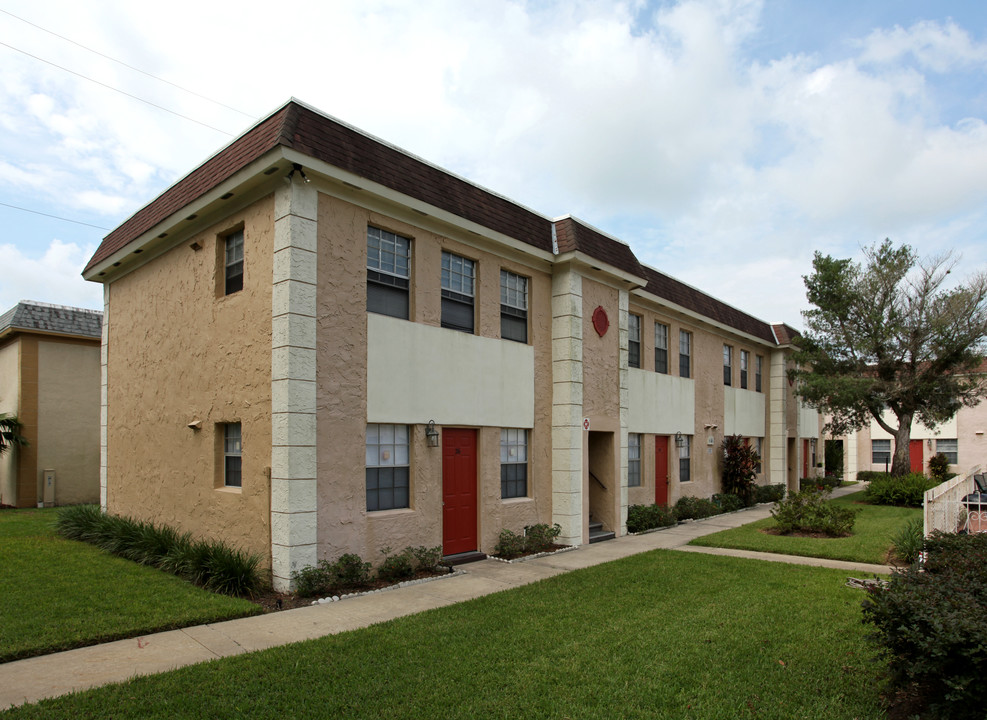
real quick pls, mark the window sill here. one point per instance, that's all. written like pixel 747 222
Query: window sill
pixel 516 500
pixel 390 513
pixel 229 490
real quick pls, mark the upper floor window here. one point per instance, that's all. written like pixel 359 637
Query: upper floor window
pixel 513 307
pixel 458 275
pixel 513 462
pixel 685 353
pixel 232 455
pixel 661 348
pixel 948 447
pixel 745 359
pixel 757 372
pixel 880 452
pixel 633 459
pixel 388 273
pixel 234 262
pixel 727 365
pixel 387 467
pixel 634 341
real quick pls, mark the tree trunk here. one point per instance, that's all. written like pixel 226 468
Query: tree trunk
pixel 901 463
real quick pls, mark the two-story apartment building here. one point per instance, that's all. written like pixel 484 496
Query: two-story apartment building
pixel 317 343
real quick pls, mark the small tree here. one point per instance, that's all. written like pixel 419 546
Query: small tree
pixel 890 337
pixel 739 468
pixel 10 432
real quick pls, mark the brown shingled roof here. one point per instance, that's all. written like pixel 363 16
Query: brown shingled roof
pixel 319 136
pixel 571 235
pixel 688 297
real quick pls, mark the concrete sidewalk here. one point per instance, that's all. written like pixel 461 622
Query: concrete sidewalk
pixel 30 680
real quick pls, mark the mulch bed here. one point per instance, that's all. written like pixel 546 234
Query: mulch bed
pixel 552 549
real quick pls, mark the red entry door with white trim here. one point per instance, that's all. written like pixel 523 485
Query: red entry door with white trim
pixel 916 457
pixel 459 522
pixel 661 469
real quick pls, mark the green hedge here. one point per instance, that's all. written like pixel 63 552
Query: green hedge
pixel 647 517
pixel 902 491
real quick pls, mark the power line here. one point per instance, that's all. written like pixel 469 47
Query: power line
pixel 126 65
pixel 110 87
pixel 56 217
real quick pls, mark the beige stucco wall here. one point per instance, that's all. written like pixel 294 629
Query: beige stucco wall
pixel 345 336
pixel 180 351
pixel 68 418
pixel 9 383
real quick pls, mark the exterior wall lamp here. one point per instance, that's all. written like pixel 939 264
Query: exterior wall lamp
pixel 431 434
pixel 679 440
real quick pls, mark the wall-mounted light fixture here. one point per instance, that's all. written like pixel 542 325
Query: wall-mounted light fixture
pixel 679 440
pixel 296 168
pixel 929 441
pixel 431 434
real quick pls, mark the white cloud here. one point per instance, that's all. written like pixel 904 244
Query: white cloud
pixel 936 46
pixel 54 277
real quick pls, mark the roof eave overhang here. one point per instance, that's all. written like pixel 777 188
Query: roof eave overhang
pixel 600 270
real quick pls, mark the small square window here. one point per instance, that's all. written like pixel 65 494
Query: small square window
pixel 387 467
pixel 949 448
pixel 633 460
pixel 233 265
pixel 232 455
pixel 513 462
pixel 880 452
pixel 388 273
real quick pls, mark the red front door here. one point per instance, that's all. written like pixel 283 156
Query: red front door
pixel 661 469
pixel 458 491
pixel 805 458
pixel 915 457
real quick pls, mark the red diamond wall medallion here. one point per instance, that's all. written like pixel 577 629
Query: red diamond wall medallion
pixel 601 323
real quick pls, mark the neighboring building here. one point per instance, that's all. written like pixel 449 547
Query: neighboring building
pixel 316 343
pixel 49 379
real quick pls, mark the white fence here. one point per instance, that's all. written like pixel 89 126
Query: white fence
pixel 945 511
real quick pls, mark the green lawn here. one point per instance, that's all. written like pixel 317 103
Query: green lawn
pixel 659 635
pixel 869 543
pixel 59 594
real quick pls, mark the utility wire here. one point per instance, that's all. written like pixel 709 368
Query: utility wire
pixel 131 67
pixel 110 87
pixel 56 217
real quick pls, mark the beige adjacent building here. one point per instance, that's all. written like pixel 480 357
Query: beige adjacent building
pixel 317 343
pixel 49 379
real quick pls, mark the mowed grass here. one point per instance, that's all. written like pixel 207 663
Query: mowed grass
pixel 660 635
pixel 871 539
pixel 59 594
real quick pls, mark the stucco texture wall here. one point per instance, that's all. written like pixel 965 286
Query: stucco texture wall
pixel 9 387
pixel 180 350
pixel 341 401
pixel 68 418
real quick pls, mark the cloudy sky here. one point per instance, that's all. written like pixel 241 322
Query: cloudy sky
pixel 724 140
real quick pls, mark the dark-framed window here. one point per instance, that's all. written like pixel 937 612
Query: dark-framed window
pixel 685 452
pixel 387 467
pixel 232 455
pixel 634 341
pixel 458 280
pixel 685 353
pixel 513 307
pixel 880 452
pixel 950 448
pixel 661 348
pixel 633 459
pixel 745 360
pixel 757 372
pixel 760 455
pixel 727 365
pixel 513 462
pixel 233 265
pixel 388 273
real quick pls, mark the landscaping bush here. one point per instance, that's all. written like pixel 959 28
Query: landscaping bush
pixel 728 503
pixel 870 475
pixel 906 543
pixel 929 625
pixel 740 462
pixel 541 537
pixel 809 512
pixel 509 545
pixel 769 493
pixel 691 508
pixel 939 468
pixel 347 574
pixel 826 483
pixel 427 558
pixel 214 565
pixel 901 491
pixel 397 567
pixel 647 517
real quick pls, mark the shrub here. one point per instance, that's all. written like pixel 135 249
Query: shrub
pixel 728 503
pixel 769 493
pixel 870 475
pixel 313 580
pixel 647 517
pixel 426 558
pixel 348 573
pixel 826 483
pixel 541 537
pixel 939 467
pixel 231 571
pixel 509 544
pixel 929 625
pixel 808 512
pixel 351 571
pixel 396 567
pixel 907 541
pixel 739 468
pixel 903 491
pixel 693 508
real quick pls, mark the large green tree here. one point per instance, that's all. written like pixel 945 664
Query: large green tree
pixel 891 334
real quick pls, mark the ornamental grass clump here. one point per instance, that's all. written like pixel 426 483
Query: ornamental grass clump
pixel 809 512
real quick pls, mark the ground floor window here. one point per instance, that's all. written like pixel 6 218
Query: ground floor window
pixel 232 455
pixel 948 447
pixel 880 452
pixel 513 462
pixel 387 467
pixel 633 459
pixel 685 467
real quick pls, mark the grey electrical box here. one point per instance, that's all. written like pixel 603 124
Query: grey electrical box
pixel 49 489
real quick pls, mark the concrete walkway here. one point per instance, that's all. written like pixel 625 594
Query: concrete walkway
pixel 30 680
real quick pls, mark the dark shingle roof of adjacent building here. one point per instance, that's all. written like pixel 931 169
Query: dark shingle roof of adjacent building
pixel 571 234
pixel 56 319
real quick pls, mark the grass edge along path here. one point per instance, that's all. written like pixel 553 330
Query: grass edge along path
pixel 661 634
pixel 871 539
pixel 62 594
